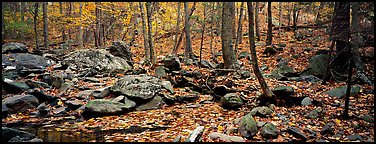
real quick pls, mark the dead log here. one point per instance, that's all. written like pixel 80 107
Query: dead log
pixel 195 135
pixel 321 25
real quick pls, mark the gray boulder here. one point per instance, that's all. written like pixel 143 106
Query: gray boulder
pixel 172 63
pixel 121 49
pixel 160 71
pixel 138 86
pixel 104 107
pixel 317 66
pixel 13 48
pixel 207 64
pixel 102 92
pixel 19 103
pixel 8 134
pixel 283 91
pixel 26 60
pixel 226 138
pixel 231 101
pixel 154 103
pixel 269 130
pixel 313 114
pixel 99 59
pixel 340 92
pixel 15 87
pixel 36 84
pixel 307 101
pixel 263 111
pixel 248 126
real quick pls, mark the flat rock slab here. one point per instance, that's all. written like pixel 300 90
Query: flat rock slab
pixel 19 103
pixel 104 107
pixel 13 48
pixel 340 92
pixel 226 138
pixel 26 60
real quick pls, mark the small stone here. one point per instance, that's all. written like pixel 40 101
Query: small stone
pixel 118 99
pixel 269 130
pixel 296 132
pixel 354 137
pixel 327 129
pixel 313 114
pixel 367 118
pixel 307 101
pixel 260 124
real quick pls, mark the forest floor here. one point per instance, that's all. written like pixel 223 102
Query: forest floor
pixel 181 119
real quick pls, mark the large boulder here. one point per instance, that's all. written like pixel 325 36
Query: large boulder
pixel 7 134
pixel 283 91
pixel 154 103
pixel 283 70
pixel 172 63
pixel 15 87
pixel 269 130
pixel 99 59
pixel 13 48
pixel 248 126
pixel 26 60
pixel 317 65
pixel 121 49
pixel 231 101
pixel 340 92
pixel 19 103
pixel 138 87
pixel 103 107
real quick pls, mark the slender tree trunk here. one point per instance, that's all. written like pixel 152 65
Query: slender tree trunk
pixel 322 4
pixel 188 44
pixel 36 7
pixel 70 15
pixel 203 32
pixel 257 21
pixel 289 15
pixel 62 27
pixel 226 36
pixel 279 19
pixel 267 93
pixel 23 7
pixel 45 25
pixel 345 114
pixel 294 17
pixel 174 50
pixel 80 32
pixel 96 30
pixel 233 31
pixel 2 23
pixel 212 36
pixel 150 38
pixel 177 27
pixel 269 38
pixel 239 35
pixel 146 43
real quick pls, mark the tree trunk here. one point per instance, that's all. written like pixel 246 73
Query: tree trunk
pixel 36 7
pixel 203 32
pixel 239 33
pixel 212 37
pixel 226 36
pixel 45 25
pixel 177 26
pixel 356 40
pixel 80 32
pixel 341 25
pixel 289 15
pixel 23 7
pixel 146 43
pixel 2 24
pixel 322 4
pixel 267 93
pixel 188 44
pixel 70 15
pixel 174 50
pixel 345 114
pixel 257 21
pixel 96 29
pixel 150 38
pixel 269 38
pixel 279 19
pixel 62 27
pixel 232 14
